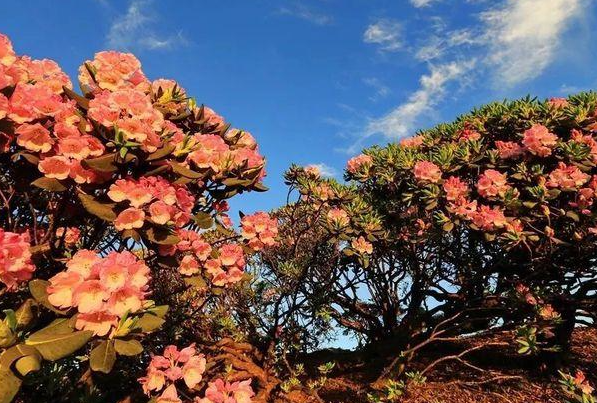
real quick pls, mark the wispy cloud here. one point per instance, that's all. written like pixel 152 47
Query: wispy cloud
pixel 421 3
pixel 325 170
pixel 381 90
pixel 511 43
pixel 402 120
pixel 306 13
pixel 523 36
pixel 386 33
pixel 135 30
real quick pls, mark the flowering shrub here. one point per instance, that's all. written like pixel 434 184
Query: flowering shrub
pixel 113 206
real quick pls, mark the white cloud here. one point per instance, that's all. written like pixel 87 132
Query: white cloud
pixel 381 90
pixel 385 33
pixel 523 36
pixel 135 30
pixel 421 3
pixel 325 170
pixel 401 121
pixel 301 11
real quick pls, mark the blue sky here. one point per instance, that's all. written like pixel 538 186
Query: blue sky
pixel 317 80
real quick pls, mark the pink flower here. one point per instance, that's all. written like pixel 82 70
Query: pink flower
pixel 172 366
pixel 488 219
pixel 362 246
pixel 455 188
pixel 170 395
pixel 412 142
pixel 189 266
pixel 113 71
pixel 509 149
pixel 99 323
pixel 260 230
pixel 55 167
pixel 567 176
pixel 539 140
pixel 492 184
pixel 225 392
pixel 338 217
pixel 34 137
pixel 60 290
pixel 358 164
pixel 15 258
pixel 89 296
pixel 558 103
pixel 129 219
pixel 7 54
pixel 102 289
pixel 71 235
pixel 426 171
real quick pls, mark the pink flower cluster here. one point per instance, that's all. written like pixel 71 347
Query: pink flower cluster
pixel 226 392
pixel 567 176
pixel 455 188
pixel 131 113
pixel 224 264
pixel 46 123
pixel 338 217
pixel 362 246
pixel 172 366
pixel 359 163
pixel 539 141
pixel 426 171
pixel 112 71
pixel 71 235
pixel 102 290
pixel 260 230
pixel 15 258
pixel 211 152
pixel 153 198
pixel 509 149
pixel 492 183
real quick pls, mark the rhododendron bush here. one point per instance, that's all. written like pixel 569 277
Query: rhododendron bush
pixel 482 226
pixel 115 238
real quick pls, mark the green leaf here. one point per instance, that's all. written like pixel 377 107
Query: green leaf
pixel 37 288
pixel 7 337
pixel 28 363
pixel 55 346
pixel 49 184
pixel 196 281
pixel 105 163
pixel 149 322
pixel 260 187
pixel 128 347
pixel 9 386
pixel 26 313
pixel 103 357
pixel 12 354
pixel 80 100
pixel 105 211
pixel 161 152
pixel 184 171
pixel 159 310
pixel 236 182
pixel 10 319
pixel 32 159
pixel 573 215
pixel 203 220
pixel 161 236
